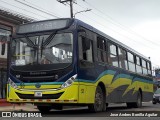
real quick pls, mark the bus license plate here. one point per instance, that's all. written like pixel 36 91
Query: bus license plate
pixel 38 94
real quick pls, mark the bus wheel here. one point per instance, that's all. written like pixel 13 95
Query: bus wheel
pixel 129 105
pixel 138 103
pixel 153 102
pixel 106 104
pixel 99 101
pixel 44 109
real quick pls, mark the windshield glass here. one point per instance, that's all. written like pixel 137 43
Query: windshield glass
pixel 43 49
pixel 157 91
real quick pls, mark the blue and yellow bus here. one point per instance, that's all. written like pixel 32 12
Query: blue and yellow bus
pixel 60 62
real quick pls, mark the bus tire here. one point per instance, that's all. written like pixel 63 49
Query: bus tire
pixel 44 109
pixel 99 101
pixel 129 105
pixel 107 104
pixel 153 102
pixel 138 102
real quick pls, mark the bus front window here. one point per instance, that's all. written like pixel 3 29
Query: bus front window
pixel 42 49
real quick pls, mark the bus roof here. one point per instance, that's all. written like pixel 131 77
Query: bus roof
pixel 85 25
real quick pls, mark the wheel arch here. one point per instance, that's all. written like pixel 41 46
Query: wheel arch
pixel 140 90
pixel 101 84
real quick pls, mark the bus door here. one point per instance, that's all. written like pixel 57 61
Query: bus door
pixel 3 83
pixel 86 71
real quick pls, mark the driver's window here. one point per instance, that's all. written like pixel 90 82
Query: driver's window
pixel 85 49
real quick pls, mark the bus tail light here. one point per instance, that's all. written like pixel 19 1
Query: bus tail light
pixel 69 81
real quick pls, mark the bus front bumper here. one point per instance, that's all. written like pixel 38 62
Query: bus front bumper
pixel 45 95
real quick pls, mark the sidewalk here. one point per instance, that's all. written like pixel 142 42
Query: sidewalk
pixel 3 102
pixel 15 107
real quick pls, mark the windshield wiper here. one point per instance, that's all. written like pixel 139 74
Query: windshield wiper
pixel 42 46
pixel 48 40
pixel 30 43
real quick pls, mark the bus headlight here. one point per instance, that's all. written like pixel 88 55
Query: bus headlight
pixel 12 83
pixel 69 81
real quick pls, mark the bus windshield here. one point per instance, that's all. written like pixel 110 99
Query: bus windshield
pixel 42 49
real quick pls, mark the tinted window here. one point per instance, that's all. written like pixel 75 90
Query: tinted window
pixel 122 58
pixel 131 62
pixel 85 54
pixel 139 69
pixel 131 66
pixel 149 68
pixel 137 60
pixel 143 63
pixel 130 57
pixel 101 51
pixel 157 91
pixel 101 43
pixel 113 57
pixel 138 65
pixel 112 49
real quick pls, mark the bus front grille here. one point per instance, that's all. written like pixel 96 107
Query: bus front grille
pixel 37 78
pixel 44 96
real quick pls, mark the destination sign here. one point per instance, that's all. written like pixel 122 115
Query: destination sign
pixel 43 26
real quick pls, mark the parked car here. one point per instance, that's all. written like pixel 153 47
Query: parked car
pixel 156 96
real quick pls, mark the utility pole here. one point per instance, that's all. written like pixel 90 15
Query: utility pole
pixel 71 5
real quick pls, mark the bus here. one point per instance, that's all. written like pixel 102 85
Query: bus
pixel 66 62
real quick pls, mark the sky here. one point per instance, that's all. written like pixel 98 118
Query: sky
pixel 135 23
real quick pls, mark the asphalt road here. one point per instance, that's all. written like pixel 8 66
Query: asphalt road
pixel 112 109
pixel 147 112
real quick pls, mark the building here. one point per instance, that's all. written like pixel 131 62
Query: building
pixel 8 22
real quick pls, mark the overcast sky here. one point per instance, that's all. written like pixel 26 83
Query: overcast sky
pixel 136 23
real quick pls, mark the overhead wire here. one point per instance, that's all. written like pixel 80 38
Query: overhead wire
pixel 121 35
pixel 57 17
pixel 120 25
pixel 127 36
pixel 23 9
pixel 114 31
pixel 37 9
pixel 90 19
pixel 133 32
pixel 104 26
pixel 42 8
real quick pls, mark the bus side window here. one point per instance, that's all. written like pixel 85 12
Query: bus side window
pixel 131 62
pixel 85 49
pixel 138 65
pixel 149 68
pixel 144 67
pixel 113 56
pixel 122 59
pixel 101 49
